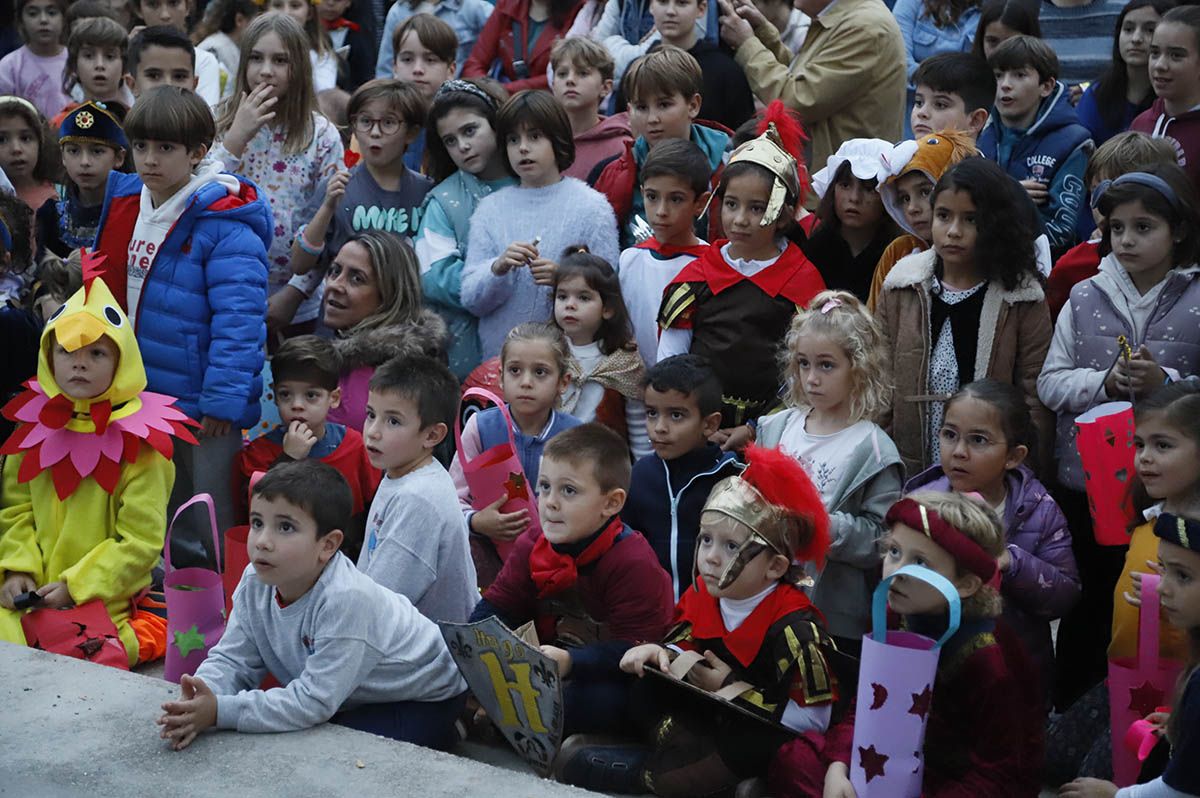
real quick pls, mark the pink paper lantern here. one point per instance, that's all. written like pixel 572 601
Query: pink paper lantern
pixel 1105 444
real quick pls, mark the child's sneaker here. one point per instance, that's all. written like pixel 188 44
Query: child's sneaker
pixel 601 763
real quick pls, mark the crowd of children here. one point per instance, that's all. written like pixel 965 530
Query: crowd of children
pixel 327 262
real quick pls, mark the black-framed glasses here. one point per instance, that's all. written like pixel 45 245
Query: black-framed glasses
pixel 387 125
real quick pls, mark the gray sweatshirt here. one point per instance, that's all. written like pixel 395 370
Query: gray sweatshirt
pixel 417 544
pixel 348 641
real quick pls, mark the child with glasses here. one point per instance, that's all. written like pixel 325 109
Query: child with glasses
pixel 381 193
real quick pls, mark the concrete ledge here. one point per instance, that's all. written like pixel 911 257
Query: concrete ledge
pixel 70 728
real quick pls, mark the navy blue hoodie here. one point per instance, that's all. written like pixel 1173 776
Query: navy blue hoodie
pixel 665 500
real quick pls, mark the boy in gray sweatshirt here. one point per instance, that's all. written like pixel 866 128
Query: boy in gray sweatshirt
pixel 343 647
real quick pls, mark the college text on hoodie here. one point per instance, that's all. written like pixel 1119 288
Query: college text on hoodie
pixel 201 317
pixel 1054 150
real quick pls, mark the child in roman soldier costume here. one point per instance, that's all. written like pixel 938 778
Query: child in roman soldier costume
pixel 733 304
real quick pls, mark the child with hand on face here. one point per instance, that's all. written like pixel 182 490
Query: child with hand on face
pixel 985 439
pixel 90 528
pixel 349 651
pixel 837 382
pixel 590 583
pixel 745 620
pixel 669 487
pixel 535 364
pixel 1179 563
pixel 735 301
pixel 507 277
pixel 416 542
pixel 271 132
pixel 985 724
pixel 306 370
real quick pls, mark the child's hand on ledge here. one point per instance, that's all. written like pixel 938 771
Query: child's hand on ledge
pixel 193 713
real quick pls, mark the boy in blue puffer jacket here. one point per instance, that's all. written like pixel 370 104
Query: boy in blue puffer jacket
pixel 186 255
pixel 1034 134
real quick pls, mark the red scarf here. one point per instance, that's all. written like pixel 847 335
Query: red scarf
pixel 340 22
pixel 703 612
pixel 553 572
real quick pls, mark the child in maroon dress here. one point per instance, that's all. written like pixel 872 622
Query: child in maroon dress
pixel 984 734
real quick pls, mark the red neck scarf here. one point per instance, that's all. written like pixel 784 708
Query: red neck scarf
pixel 340 22
pixel 553 572
pixel 703 612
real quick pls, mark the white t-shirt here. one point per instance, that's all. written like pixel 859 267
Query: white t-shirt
pixel 824 457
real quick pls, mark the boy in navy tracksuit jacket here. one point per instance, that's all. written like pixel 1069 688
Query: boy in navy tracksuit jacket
pixel 1034 134
pixel 669 487
pixel 185 249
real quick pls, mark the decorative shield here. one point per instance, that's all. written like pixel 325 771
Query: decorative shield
pixel 515 683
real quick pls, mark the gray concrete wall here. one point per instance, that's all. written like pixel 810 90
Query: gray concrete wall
pixel 70 728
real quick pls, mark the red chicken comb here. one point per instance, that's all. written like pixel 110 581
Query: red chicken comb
pixel 92 265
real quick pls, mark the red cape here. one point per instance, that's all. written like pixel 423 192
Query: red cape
pixel 793 276
pixel 703 612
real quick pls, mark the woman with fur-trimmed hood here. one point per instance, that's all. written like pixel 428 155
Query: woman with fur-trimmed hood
pixel 373 304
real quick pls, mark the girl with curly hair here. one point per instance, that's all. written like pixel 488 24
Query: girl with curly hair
pixel 969 308
pixel 834 364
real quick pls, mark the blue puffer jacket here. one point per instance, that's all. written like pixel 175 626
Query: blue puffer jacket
pixel 201 319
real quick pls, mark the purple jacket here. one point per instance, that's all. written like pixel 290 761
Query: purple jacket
pixel 1042 583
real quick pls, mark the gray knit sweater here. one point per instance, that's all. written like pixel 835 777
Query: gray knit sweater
pixel 347 641
pixel 563 214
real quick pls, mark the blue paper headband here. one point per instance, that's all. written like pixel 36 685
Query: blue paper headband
pixel 1139 178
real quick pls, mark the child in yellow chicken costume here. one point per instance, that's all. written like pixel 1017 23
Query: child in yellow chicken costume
pixel 87 473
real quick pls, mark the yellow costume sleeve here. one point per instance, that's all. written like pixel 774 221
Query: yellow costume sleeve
pixel 120 565
pixel 19 549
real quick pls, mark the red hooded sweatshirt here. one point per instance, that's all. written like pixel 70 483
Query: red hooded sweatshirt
pixel 1182 131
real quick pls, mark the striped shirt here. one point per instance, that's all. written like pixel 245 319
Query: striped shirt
pixel 1081 36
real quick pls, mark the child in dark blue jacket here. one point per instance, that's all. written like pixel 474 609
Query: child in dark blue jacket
pixel 1034 134
pixel 185 251
pixel 669 487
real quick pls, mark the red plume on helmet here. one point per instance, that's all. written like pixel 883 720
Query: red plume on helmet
pixel 784 483
pixel 791 137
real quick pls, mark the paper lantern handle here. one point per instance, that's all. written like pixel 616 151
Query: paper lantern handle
pixel 1148 623
pixel 929 577
pixel 212 522
pixel 495 401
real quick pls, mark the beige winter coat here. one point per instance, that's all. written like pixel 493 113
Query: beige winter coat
pixel 1014 336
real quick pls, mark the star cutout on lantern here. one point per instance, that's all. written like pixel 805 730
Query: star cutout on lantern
pixel 515 485
pixel 189 641
pixel 920 702
pixel 1144 699
pixel 872 762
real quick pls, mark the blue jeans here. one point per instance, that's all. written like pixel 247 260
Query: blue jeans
pixel 427 723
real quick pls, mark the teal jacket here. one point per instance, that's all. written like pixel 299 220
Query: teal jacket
pixel 441 247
